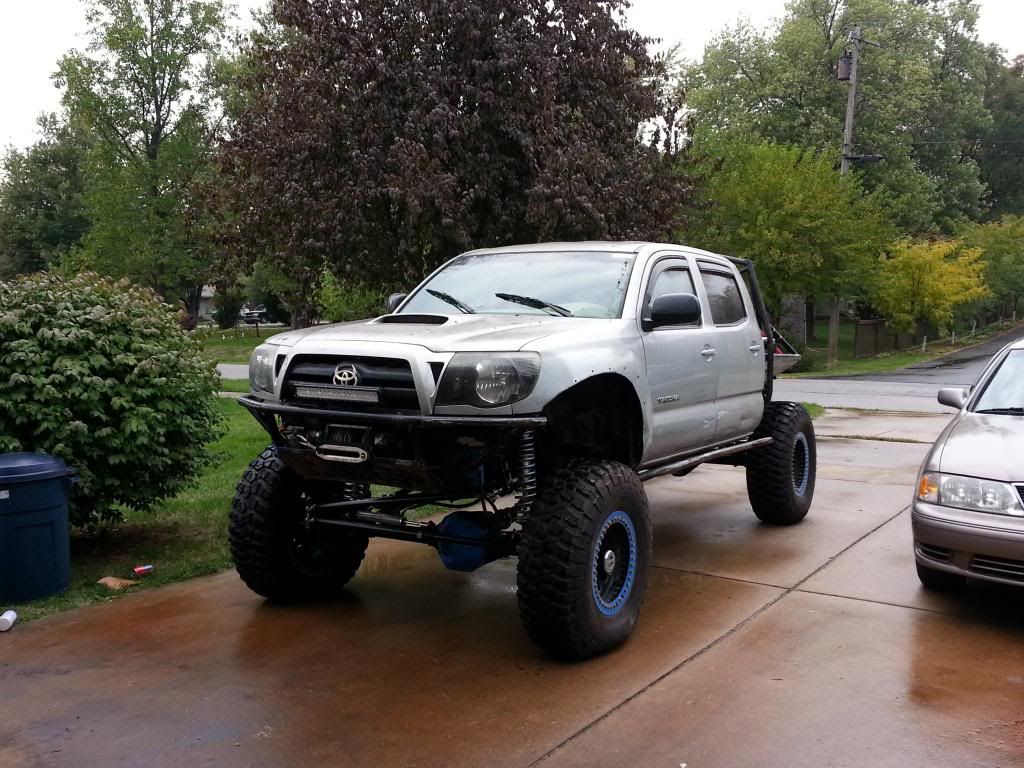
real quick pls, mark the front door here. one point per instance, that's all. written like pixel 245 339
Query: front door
pixel 681 369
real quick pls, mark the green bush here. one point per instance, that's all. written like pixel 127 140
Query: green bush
pixel 101 374
pixel 341 302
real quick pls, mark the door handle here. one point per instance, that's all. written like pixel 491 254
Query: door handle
pixel 756 347
pixel 708 353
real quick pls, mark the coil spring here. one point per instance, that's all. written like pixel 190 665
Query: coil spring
pixel 527 473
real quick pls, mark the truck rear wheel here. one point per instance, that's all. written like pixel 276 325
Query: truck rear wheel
pixel 276 556
pixel 583 559
pixel 780 476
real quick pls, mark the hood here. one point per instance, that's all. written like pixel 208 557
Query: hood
pixel 985 445
pixel 445 333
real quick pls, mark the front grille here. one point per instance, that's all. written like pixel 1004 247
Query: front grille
pixel 1020 492
pixel 310 380
pixel 939 554
pixel 997 566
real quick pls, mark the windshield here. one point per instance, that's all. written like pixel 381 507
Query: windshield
pixel 1005 390
pixel 561 284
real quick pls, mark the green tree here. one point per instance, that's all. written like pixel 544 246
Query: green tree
pixel 377 139
pixel 42 213
pixel 1000 153
pixel 922 282
pixel 810 230
pixel 1002 244
pixel 144 87
pixel 920 102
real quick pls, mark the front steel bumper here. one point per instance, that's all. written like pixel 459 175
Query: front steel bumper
pixel 268 408
pixel 976 544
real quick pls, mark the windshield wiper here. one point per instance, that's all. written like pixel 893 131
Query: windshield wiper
pixel 1011 411
pixel 529 301
pixel 449 299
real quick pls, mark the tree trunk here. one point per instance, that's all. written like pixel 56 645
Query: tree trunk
pixel 303 314
pixel 809 321
pixel 193 297
pixel 833 333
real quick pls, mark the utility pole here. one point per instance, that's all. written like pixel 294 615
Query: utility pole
pixel 851 99
pixel 849 67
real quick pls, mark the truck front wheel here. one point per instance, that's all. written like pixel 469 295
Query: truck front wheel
pixel 780 476
pixel 274 553
pixel 583 559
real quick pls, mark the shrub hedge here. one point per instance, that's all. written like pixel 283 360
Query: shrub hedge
pixel 101 374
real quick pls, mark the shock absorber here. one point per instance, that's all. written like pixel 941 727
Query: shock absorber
pixel 527 473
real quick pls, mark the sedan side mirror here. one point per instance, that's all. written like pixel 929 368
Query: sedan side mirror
pixel 954 397
pixel 673 309
pixel 394 300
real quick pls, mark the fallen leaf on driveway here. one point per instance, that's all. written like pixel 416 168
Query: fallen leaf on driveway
pixel 116 584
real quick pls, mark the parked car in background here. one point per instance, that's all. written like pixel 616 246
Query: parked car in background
pixel 968 513
pixel 253 315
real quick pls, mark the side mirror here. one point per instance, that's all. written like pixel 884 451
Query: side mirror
pixel 394 300
pixel 673 309
pixel 954 397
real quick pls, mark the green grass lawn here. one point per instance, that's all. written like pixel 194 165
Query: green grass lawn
pixel 814 410
pixel 234 345
pixel 183 537
pixel 234 385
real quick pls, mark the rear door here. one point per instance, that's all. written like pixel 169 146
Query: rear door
pixel 739 351
pixel 681 373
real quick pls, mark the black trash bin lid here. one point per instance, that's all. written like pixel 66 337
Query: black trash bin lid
pixel 31 467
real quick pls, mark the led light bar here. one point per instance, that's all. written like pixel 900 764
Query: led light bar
pixel 338 394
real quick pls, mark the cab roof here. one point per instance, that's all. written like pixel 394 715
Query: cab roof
pixel 614 246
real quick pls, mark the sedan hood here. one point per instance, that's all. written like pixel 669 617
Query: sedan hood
pixel 445 333
pixel 985 445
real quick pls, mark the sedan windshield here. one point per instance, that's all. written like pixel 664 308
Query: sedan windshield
pixel 559 284
pixel 1005 391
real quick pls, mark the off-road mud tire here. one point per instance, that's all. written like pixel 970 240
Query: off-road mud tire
pixel 273 552
pixel 581 508
pixel 780 476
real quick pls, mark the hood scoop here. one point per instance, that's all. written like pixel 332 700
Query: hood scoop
pixel 413 319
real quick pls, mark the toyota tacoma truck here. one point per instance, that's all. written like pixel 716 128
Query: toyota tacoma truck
pixel 529 392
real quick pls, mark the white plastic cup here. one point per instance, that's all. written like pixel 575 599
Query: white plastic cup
pixel 7 620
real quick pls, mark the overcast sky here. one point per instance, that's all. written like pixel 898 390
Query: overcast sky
pixel 34 33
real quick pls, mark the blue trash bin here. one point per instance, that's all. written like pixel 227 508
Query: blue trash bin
pixel 35 560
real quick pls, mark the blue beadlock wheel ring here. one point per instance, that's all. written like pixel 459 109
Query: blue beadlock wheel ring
pixel 617 530
pixel 801 474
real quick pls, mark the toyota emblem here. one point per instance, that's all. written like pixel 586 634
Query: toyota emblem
pixel 346 376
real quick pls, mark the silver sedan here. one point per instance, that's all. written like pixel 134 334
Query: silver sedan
pixel 968 512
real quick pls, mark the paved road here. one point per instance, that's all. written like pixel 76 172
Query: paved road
pixel 758 646
pixel 958 368
pixel 908 389
pixel 233 370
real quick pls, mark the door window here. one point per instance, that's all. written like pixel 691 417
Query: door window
pixel 724 297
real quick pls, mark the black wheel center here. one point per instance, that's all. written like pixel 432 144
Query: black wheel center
pixel 613 566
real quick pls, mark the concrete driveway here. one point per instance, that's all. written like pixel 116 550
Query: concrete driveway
pixel 757 646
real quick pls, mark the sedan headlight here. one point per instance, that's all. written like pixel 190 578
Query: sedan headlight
pixel 489 380
pixel 261 368
pixel 970 493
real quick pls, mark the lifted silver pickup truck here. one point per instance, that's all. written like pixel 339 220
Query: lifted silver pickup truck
pixel 529 390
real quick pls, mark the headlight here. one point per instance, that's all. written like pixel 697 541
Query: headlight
pixel 261 368
pixel 488 380
pixel 970 493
